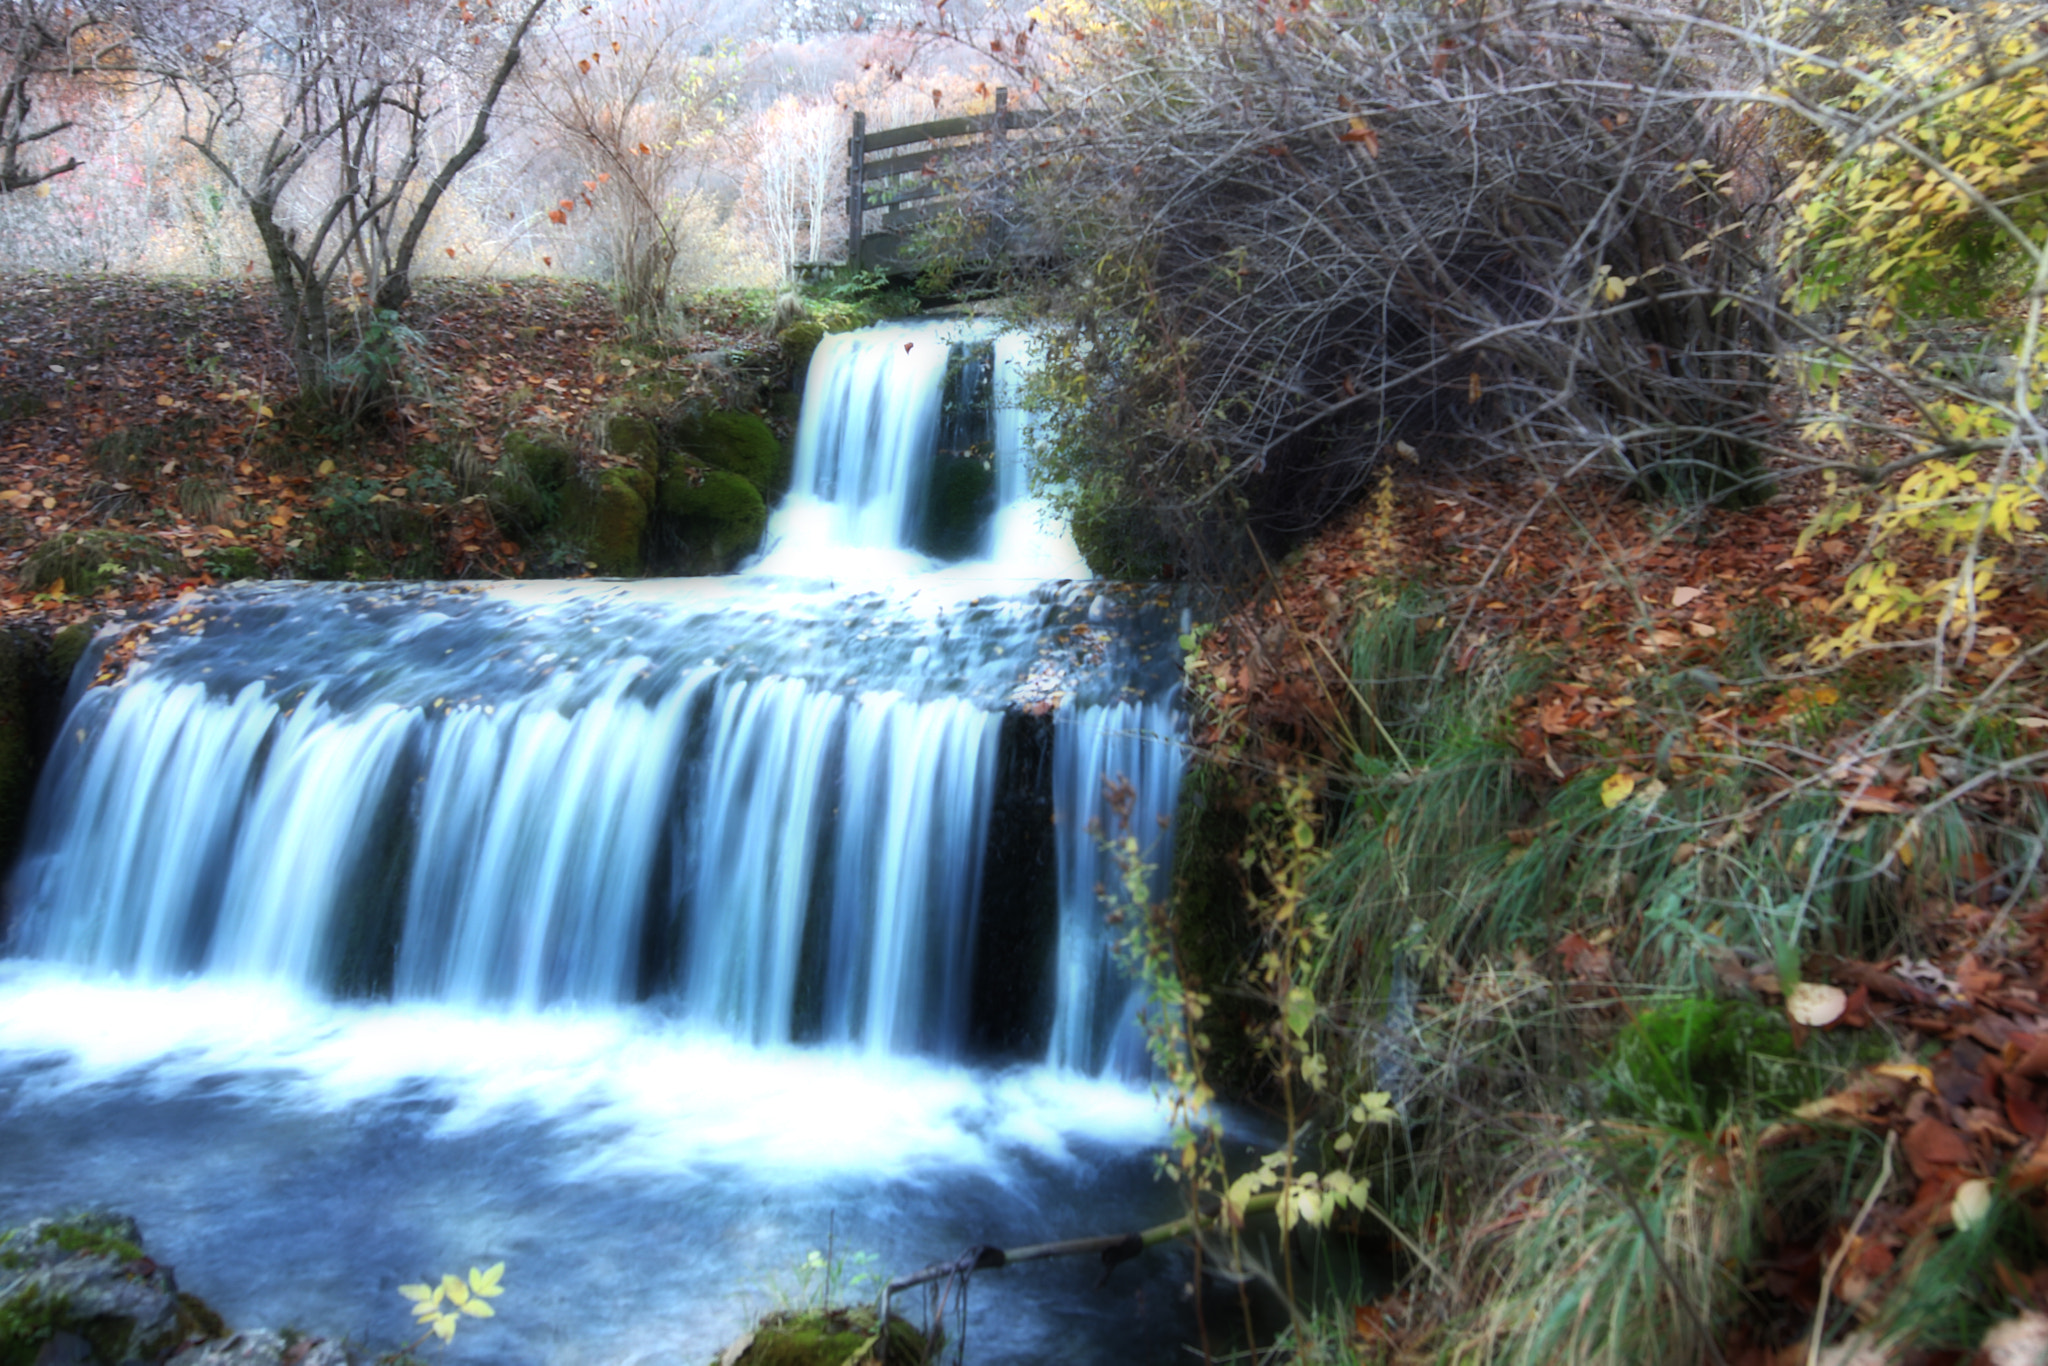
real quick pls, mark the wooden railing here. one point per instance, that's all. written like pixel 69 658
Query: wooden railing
pixel 899 179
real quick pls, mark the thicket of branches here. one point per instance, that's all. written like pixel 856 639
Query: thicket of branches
pixel 1307 242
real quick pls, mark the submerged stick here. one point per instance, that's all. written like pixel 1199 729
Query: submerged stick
pixel 1115 1249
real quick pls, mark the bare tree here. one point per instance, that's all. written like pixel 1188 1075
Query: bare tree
pixel 41 38
pixel 796 177
pixel 333 124
pixel 637 93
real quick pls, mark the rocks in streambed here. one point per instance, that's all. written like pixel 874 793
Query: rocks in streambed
pixel 829 1337
pixel 264 1348
pixel 691 497
pixel 80 1290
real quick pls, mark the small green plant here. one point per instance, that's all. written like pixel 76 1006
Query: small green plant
pixel 440 1307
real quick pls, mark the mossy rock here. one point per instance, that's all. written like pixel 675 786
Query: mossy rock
pixel 633 436
pixel 834 1337
pixel 546 463
pixel 607 515
pixel 710 520
pixel 959 500
pixel 67 647
pixel 798 343
pixel 734 441
pixel 83 1284
pixel 83 562
pixel 1683 1065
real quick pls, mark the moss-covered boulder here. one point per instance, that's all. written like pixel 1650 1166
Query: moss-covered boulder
pixel 633 436
pixel 526 490
pixel 959 500
pixel 724 440
pixel 711 520
pixel 80 1289
pixel 832 1337
pixel 798 342
pixel 607 515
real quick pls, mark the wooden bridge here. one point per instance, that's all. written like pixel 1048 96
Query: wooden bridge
pixel 901 179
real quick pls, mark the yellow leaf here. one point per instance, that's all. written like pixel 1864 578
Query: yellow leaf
pixel 418 1292
pixel 1616 789
pixel 478 1309
pixel 166 401
pixel 444 1327
pixel 1914 1072
pixel 455 1289
pixel 486 1282
pixel 326 467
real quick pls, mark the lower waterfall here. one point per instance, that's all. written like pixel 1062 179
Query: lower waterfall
pixel 460 921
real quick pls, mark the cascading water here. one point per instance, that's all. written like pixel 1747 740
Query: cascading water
pixel 662 879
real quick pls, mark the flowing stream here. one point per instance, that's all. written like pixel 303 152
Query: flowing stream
pixel 644 936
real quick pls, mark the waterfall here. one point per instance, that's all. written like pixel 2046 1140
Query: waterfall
pixel 765 802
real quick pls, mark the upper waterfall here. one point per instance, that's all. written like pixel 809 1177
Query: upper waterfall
pixel 923 464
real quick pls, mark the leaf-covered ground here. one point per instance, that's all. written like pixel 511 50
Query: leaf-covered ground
pixel 156 414
pixel 1671 649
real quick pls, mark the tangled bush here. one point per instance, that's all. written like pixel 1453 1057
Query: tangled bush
pixel 1302 242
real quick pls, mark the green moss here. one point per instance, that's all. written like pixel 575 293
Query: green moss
pixel 27 1321
pixel 608 517
pixel 1683 1065
pixel 798 342
pixel 711 520
pixel 1120 539
pixel 633 436
pixel 21 673
pixel 96 1235
pixel 725 440
pixel 546 463
pixel 198 1320
pixel 958 503
pixel 68 646
pixel 836 1337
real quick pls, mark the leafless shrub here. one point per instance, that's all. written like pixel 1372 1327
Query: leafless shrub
pixel 1304 243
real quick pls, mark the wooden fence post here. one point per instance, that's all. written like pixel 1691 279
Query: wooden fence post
pixel 856 153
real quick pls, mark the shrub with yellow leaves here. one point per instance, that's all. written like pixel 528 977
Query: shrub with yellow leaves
pixel 439 1307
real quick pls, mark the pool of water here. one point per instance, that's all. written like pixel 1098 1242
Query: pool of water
pixel 649 1188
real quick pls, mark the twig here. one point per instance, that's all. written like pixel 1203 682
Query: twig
pixel 1827 1281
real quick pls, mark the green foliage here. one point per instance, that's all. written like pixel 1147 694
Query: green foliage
pixel 1926 199
pixel 1629 1256
pixel 371 369
pixel 80 563
pixel 843 298
pixel 27 1321
pixel 1926 203
pixel 1683 1065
